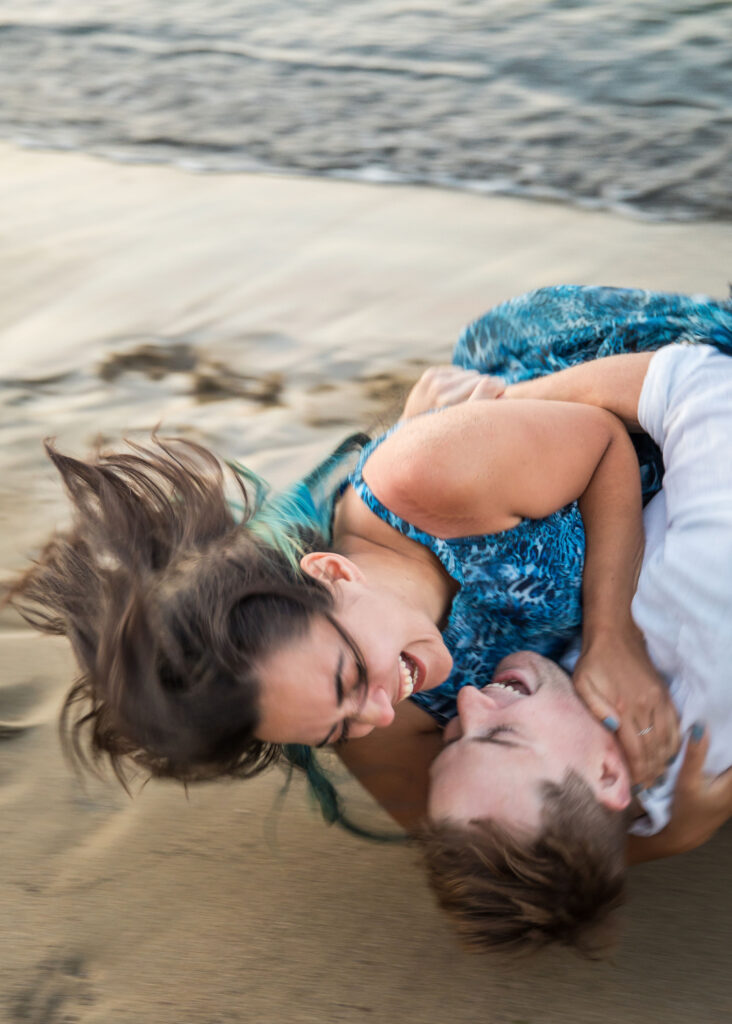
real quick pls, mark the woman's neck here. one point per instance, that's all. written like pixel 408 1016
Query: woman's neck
pixel 389 559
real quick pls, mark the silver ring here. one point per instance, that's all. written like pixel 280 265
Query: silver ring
pixel 648 728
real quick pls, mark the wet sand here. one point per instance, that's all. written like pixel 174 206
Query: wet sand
pixel 269 316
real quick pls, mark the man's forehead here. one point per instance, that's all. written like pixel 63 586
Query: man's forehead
pixel 499 798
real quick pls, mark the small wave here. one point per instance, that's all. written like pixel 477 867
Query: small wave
pixel 229 160
pixel 590 104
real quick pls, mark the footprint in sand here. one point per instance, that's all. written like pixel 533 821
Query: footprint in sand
pixel 18 702
pixel 57 987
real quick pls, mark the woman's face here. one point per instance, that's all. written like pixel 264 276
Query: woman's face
pixel 315 691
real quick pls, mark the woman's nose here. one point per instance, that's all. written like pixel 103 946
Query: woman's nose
pixel 474 706
pixel 377 710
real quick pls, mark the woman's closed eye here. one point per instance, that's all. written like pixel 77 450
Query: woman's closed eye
pixel 356 698
pixel 345 728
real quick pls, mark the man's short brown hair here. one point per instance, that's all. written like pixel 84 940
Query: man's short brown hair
pixel 525 892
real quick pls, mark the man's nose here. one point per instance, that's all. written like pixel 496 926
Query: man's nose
pixel 377 710
pixel 474 706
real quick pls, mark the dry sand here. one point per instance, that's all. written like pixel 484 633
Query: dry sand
pixel 270 315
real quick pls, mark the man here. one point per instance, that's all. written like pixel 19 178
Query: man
pixel 531 797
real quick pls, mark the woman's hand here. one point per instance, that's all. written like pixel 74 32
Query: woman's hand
pixel 448 385
pixel 702 803
pixel 617 681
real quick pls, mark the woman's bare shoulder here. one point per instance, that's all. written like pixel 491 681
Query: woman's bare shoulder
pixel 426 472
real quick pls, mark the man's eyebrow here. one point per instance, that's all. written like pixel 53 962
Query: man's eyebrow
pixel 494 739
pixel 483 739
pixel 338 684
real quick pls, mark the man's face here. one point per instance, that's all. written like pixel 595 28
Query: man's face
pixel 527 727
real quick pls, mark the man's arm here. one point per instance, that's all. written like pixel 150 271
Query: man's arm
pixel 702 804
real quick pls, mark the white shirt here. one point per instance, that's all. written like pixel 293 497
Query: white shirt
pixel 683 603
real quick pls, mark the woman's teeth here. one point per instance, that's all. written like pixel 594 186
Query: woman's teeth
pixel 408 673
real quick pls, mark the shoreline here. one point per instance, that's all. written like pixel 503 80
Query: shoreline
pixel 375 177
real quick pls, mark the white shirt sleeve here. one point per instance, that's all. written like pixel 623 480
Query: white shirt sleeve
pixel 683 603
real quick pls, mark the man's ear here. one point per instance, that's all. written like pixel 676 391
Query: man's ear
pixel 329 567
pixel 614 784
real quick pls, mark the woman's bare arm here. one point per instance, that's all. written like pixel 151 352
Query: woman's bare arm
pixel 480 467
pixel 613 383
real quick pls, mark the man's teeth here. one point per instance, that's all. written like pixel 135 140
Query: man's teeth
pixel 408 676
pixel 510 686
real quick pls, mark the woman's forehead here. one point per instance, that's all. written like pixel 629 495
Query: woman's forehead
pixel 299 694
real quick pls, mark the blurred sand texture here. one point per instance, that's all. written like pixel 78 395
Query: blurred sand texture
pixel 269 316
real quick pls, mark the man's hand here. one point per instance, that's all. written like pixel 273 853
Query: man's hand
pixel 616 679
pixel 448 385
pixel 702 804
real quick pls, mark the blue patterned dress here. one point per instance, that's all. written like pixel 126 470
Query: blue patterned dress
pixel 522 588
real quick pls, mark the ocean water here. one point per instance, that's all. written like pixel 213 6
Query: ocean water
pixel 624 104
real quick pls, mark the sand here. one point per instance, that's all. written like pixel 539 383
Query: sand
pixel 270 315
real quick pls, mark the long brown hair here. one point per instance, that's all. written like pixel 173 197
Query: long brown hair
pixel 170 605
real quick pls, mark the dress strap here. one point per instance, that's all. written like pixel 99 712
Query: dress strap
pixel 438 546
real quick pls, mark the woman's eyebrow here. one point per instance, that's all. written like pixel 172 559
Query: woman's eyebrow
pixel 338 684
pixel 338 680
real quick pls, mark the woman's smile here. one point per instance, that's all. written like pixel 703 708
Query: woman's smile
pixel 413 675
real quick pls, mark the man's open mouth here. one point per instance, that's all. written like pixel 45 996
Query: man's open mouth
pixel 513 679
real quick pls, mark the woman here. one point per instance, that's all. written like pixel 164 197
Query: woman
pixel 205 644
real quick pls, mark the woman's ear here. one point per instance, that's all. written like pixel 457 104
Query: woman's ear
pixel 329 567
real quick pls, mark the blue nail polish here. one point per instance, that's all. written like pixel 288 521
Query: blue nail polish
pixel 611 724
pixel 697 731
